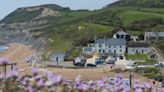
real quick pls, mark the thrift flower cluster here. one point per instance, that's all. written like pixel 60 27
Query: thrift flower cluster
pixel 50 82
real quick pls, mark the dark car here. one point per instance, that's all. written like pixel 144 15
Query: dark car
pixel 159 78
pixel 98 61
pixel 79 64
pixel 163 84
pixel 91 65
pixel 111 62
pixel 121 57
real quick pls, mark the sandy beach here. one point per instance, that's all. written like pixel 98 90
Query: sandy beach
pixel 17 54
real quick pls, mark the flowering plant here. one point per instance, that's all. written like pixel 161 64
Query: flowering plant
pixel 55 83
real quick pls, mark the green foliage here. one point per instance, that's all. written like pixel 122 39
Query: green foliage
pixel 21 15
pixel 148 23
pixel 59 44
pixel 138 3
pixel 148 62
pixel 109 17
pixel 137 57
pixel 137 15
pixel 150 72
pixel 160 46
pixel 75 52
pixel 97 27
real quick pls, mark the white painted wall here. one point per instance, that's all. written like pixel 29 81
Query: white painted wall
pixel 117 49
pixel 141 50
pixel 99 49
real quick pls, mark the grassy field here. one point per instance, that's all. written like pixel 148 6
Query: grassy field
pixel 134 15
pixel 60 44
pixel 97 27
pixel 160 10
pixel 148 62
pixel 137 57
pixel 141 57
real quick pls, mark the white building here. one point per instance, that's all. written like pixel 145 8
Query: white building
pixel 122 34
pixel 110 46
pixel 138 48
pixel 154 36
pixel 57 57
pixel 88 50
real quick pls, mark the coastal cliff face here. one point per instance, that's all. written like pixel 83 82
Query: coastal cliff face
pixel 26 24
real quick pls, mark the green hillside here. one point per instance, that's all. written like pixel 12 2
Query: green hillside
pixel 76 28
pixel 138 3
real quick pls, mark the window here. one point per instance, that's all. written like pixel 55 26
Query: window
pixel 120 50
pixel 103 51
pixel 115 46
pixel 114 51
pixel 99 50
pixel 142 51
pixel 99 45
pixel 109 46
pixel 56 58
pixel 120 46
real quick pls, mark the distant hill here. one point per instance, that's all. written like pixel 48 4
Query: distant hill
pixel 139 3
pixel 34 13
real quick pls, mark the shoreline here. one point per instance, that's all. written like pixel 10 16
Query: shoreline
pixel 17 53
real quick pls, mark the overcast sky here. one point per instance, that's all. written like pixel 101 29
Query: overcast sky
pixel 7 6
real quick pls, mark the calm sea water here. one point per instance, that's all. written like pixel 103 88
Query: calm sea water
pixel 3 48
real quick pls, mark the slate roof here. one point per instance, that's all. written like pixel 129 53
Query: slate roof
pixel 138 44
pixel 87 48
pixel 154 34
pixel 114 41
pixel 100 41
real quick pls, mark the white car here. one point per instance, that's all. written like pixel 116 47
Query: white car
pixel 161 64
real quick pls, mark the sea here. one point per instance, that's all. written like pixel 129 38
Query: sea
pixel 3 47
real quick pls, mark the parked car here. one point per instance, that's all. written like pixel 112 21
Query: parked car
pixel 159 64
pixel 163 84
pixel 79 61
pixel 91 65
pixel 79 64
pixel 110 62
pixel 121 57
pixel 159 78
pixel 98 61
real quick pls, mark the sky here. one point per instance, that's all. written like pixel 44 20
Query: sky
pixel 7 6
